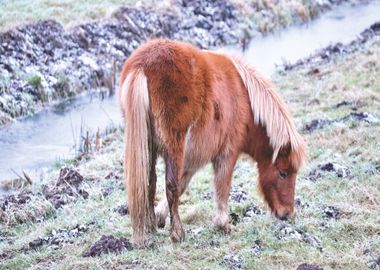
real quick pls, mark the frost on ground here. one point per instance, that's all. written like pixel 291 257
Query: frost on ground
pixel 337 219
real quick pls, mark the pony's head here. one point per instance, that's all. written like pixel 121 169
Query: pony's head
pixel 277 181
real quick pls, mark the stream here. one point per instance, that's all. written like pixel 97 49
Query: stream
pixel 39 141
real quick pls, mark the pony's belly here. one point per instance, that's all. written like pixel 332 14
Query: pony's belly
pixel 195 159
pixel 199 150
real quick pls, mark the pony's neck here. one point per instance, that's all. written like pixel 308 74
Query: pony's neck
pixel 257 144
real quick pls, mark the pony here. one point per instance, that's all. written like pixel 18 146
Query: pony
pixel 193 107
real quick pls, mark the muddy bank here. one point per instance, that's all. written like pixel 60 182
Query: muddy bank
pixel 27 206
pixel 331 52
pixel 41 63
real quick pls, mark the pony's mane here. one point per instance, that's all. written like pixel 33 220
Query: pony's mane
pixel 270 111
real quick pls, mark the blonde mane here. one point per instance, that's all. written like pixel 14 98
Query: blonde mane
pixel 270 111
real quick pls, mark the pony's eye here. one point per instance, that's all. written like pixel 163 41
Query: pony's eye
pixel 283 174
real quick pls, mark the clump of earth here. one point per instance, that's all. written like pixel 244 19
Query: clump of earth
pixel 108 244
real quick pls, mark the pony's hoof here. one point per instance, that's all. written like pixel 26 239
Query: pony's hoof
pixel 177 235
pixel 222 223
pixel 160 221
pixel 226 228
pixel 141 242
pixel 161 213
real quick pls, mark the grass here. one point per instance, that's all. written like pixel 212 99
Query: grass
pixel 35 81
pixel 350 241
pixel 67 12
pixel 268 16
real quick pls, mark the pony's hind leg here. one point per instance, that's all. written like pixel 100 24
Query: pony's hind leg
pixel 173 170
pixel 152 188
pixel 162 209
pixel 223 167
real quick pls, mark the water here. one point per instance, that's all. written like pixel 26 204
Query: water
pixel 49 136
pixel 340 25
pixel 41 140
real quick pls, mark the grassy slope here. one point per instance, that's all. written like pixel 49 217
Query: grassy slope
pixel 14 12
pixel 349 242
pixel 267 15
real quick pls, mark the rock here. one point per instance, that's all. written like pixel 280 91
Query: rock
pixel 108 244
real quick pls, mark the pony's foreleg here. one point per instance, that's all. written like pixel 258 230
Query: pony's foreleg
pixel 162 209
pixel 173 170
pixel 223 168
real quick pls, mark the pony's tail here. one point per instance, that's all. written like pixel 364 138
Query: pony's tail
pixel 134 101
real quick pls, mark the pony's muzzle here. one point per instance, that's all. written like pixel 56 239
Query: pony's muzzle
pixel 283 214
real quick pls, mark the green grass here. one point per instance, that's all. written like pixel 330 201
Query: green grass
pixel 35 81
pixel 351 241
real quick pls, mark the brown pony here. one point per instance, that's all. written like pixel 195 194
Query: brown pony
pixel 193 107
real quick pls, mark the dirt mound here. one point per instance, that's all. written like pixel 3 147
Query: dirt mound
pixel 24 207
pixel 306 266
pixel 252 211
pixel 59 238
pixel 321 170
pixel 108 244
pixel 358 117
pixel 66 189
pixel 286 231
pixel 234 261
pixel 238 193
pixel 332 212
pixel 19 199
pixel 122 209
pixel 68 176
